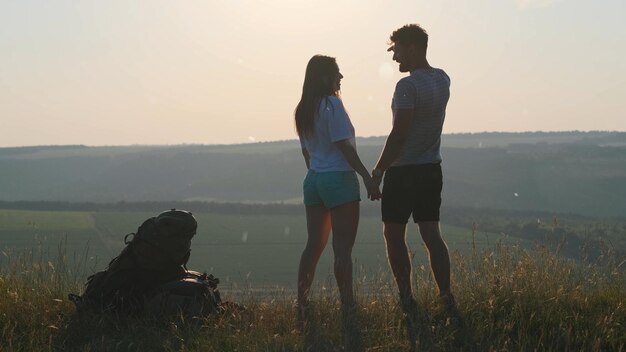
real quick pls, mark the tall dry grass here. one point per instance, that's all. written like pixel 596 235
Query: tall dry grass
pixel 511 299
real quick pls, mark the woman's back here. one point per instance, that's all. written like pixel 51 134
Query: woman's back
pixel 332 124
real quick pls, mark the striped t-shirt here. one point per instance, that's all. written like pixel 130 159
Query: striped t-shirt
pixel 426 91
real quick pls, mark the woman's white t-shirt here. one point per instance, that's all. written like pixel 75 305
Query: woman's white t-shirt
pixel 332 124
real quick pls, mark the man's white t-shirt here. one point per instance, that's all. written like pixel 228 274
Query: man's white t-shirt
pixel 426 91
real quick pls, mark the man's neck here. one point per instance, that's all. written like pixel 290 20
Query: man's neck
pixel 419 64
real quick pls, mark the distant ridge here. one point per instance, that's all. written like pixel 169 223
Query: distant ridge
pixel 527 136
pixel 565 172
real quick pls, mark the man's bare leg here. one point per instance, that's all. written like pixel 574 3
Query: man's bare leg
pixel 437 254
pixel 398 256
pixel 400 262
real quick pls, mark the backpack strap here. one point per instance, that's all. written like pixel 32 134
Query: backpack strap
pixel 186 259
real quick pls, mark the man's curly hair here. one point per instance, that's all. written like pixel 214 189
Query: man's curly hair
pixel 410 34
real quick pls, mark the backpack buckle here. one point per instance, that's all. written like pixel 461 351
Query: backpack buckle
pixel 126 241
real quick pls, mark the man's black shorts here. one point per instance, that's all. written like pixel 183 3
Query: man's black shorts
pixel 412 189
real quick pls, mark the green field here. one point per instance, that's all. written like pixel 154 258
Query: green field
pixel 512 297
pixel 252 249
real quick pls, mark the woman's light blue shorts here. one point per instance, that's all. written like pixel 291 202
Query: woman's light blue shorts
pixel 330 189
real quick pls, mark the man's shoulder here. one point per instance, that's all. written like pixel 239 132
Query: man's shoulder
pixel 405 80
pixel 444 74
pixel 427 71
pixel 405 83
pixel 420 77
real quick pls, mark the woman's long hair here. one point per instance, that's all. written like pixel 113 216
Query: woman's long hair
pixel 318 83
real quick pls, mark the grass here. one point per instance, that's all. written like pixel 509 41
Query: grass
pixel 512 299
pixel 234 247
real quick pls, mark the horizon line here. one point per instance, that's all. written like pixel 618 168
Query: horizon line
pixel 295 139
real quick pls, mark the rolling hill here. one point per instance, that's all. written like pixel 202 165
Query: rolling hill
pixel 577 172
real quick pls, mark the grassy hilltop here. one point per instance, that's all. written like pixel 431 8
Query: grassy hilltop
pixel 512 299
pixel 534 221
pixel 518 281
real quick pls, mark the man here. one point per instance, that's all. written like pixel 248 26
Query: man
pixel 411 165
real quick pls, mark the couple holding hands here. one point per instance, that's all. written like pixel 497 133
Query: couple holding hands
pixel 410 163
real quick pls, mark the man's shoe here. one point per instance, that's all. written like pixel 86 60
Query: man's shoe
pixel 450 312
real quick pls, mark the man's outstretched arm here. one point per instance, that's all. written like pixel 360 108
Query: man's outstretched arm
pixel 399 132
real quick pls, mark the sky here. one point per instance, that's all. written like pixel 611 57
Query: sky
pixel 220 72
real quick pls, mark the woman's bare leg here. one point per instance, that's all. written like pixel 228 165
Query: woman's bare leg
pixel 345 222
pixel 318 229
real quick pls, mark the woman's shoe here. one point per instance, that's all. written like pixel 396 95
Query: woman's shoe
pixel 352 335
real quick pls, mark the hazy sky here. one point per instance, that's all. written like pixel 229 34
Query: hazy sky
pixel 169 72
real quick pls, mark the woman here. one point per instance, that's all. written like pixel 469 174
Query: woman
pixel 331 187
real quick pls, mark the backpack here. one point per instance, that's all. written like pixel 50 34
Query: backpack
pixel 194 295
pixel 156 254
